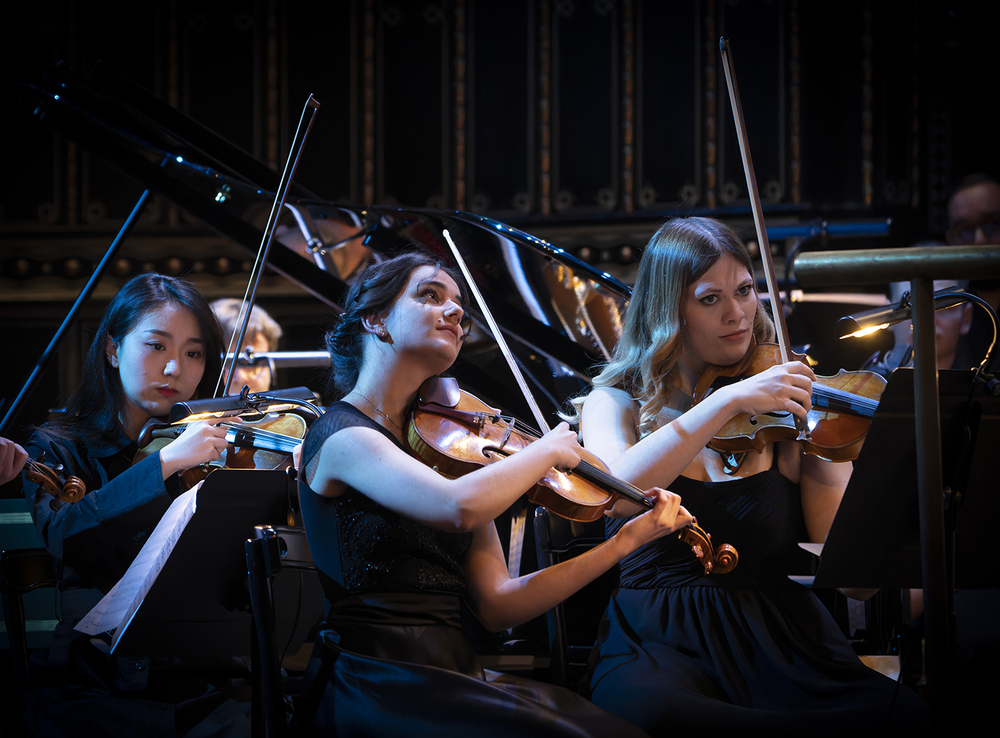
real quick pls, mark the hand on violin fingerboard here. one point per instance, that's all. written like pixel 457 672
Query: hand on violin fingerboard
pixel 12 458
pixel 200 443
pixel 668 516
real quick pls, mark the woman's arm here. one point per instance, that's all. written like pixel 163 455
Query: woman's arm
pixel 369 462
pixel 610 417
pixel 822 484
pixel 501 602
pixel 82 525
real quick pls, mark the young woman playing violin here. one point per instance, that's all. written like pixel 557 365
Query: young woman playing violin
pixel 400 544
pixel 158 344
pixel 747 650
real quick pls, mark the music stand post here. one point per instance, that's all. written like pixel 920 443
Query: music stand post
pixel 935 556
pixel 919 266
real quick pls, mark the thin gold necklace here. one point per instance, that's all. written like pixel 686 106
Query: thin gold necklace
pixel 378 410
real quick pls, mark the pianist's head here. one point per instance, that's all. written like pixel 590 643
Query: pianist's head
pixel 369 302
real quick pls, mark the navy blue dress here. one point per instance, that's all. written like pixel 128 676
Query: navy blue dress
pixel 407 668
pixel 749 651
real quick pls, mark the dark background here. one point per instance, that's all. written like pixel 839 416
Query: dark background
pixel 583 122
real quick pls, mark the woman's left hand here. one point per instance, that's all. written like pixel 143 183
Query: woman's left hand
pixel 666 517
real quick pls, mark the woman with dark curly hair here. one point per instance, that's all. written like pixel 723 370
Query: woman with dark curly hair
pixel 400 544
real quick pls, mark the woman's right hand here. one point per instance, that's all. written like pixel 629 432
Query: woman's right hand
pixel 780 388
pixel 562 444
pixel 200 443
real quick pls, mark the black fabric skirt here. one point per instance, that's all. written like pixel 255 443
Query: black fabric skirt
pixel 751 661
pixel 407 669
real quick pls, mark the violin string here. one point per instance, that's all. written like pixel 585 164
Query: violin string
pixel 595 473
pixel 850 400
pixel 263 432
pixel 288 442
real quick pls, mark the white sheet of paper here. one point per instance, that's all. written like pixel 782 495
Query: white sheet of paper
pixel 118 606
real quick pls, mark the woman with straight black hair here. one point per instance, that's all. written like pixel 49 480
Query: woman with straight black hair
pixel 158 343
pixel 400 545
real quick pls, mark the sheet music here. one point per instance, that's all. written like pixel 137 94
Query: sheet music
pixel 117 607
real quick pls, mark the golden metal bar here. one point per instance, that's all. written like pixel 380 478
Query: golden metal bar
pixel 874 266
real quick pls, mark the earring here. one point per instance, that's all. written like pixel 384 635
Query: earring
pixel 113 360
pixel 381 332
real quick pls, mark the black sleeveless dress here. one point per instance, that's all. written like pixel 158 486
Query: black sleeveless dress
pixel 749 651
pixel 394 587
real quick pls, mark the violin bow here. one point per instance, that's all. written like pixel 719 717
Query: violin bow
pixel 504 348
pixel 778 314
pixel 294 154
pixel 518 521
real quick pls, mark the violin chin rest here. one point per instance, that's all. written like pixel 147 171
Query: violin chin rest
pixel 443 391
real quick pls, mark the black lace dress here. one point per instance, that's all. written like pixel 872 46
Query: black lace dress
pixel 749 651
pixel 407 669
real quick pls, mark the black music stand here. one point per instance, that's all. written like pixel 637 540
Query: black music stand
pixel 197 605
pixel 875 539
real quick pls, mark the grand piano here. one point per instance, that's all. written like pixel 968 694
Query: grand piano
pixel 559 315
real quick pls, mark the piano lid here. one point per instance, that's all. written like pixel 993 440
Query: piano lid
pixel 559 315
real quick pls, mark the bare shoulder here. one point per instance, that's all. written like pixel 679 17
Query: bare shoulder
pixel 609 422
pixel 610 400
pixel 344 454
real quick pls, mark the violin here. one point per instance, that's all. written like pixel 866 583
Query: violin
pixel 843 407
pixel 51 479
pixel 266 443
pixel 455 433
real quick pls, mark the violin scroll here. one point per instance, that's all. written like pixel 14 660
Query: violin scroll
pixel 720 561
pixel 68 489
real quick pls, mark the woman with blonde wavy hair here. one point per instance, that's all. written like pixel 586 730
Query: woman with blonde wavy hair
pixel 748 650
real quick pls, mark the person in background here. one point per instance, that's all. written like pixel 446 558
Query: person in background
pixel 261 336
pixel 974 219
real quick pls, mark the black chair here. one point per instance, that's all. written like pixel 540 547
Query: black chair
pixel 21 571
pixel 273 549
pixel 572 625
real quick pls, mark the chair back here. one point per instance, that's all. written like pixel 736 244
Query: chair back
pixel 21 571
pixel 558 539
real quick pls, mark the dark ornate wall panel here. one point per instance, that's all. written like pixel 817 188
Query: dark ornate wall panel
pixel 669 82
pixel 503 73
pixel 532 109
pixel 583 121
pixel 585 72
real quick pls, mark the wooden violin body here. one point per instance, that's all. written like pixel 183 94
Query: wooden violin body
pixel 843 407
pixel 456 433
